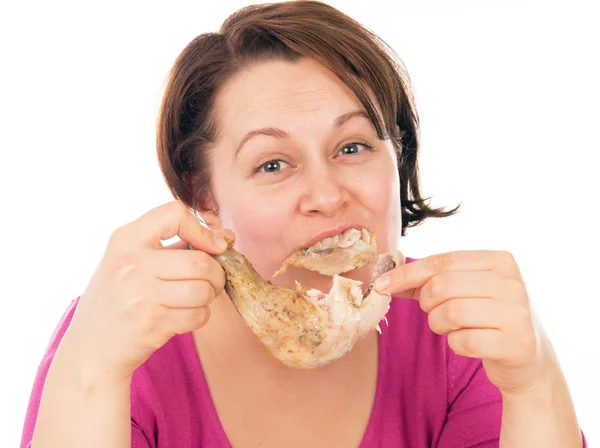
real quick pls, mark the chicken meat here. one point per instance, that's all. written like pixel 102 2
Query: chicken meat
pixel 307 328
pixel 341 253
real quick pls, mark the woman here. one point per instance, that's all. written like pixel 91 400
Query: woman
pixel 291 124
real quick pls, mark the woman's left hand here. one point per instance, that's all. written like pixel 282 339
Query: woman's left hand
pixel 479 299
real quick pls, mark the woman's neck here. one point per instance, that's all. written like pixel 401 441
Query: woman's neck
pixel 228 344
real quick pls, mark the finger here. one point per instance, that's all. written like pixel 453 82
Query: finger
pixel 170 220
pixel 184 293
pixel 177 245
pixel 182 320
pixel 405 279
pixel 470 284
pixel 220 231
pixel 458 314
pixel 227 233
pixel 479 343
pixel 186 265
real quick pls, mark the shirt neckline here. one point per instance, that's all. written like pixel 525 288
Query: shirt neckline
pixel 215 421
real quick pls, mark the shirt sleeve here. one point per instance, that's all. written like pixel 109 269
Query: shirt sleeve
pixel 474 406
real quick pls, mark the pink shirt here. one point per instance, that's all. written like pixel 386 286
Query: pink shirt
pixel 426 396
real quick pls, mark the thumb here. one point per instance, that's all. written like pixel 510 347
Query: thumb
pixel 226 233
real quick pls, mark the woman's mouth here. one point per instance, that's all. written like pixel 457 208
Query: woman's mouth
pixel 342 252
pixel 338 230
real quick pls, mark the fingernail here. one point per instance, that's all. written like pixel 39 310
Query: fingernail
pixel 382 283
pixel 220 242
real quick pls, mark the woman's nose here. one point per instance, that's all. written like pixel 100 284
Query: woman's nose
pixel 324 193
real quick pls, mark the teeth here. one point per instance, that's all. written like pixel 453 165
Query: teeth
pixel 349 237
pixel 327 243
pixel 334 255
pixel 345 239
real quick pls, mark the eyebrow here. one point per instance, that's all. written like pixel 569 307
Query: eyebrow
pixel 281 134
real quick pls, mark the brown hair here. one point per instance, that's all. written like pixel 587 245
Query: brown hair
pixel 286 31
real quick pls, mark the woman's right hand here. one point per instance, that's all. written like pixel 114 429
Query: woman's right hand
pixel 142 293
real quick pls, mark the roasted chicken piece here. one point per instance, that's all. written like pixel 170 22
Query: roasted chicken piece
pixel 308 328
pixel 341 253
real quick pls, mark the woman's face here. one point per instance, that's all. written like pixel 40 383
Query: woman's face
pixel 290 163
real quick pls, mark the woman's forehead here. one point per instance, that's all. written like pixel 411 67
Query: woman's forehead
pixel 274 88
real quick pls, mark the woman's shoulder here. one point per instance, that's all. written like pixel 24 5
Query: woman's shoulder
pixel 170 396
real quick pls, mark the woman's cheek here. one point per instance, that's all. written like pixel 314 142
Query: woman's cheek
pixel 260 228
pixel 382 198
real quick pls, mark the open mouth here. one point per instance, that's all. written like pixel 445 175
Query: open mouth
pixel 337 254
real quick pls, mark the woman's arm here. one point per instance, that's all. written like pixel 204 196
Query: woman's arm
pixel 80 408
pixel 479 415
pixel 479 300
pixel 544 416
pixel 141 294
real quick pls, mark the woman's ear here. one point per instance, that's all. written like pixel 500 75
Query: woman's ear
pixel 206 208
pixel 211 218
pixel 209 212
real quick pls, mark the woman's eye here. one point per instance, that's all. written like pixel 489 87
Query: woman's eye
pixel 354 148
pixel 272 166
pixel 275 165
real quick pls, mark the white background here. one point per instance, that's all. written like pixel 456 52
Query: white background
pixel 508 96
